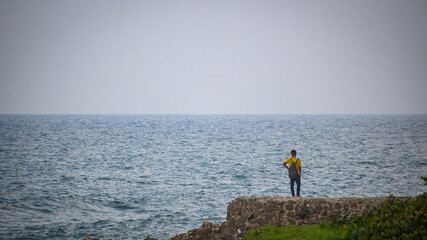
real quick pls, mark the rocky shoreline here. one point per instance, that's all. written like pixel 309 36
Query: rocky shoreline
pixel 247 213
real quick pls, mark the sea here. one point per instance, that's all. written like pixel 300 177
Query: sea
pixel 134 176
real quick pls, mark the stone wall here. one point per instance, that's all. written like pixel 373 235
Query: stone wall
pixel 247 213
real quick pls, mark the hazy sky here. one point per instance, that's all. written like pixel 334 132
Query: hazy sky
pixel 213 57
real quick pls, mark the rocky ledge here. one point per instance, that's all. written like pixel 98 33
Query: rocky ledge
pixel 247 213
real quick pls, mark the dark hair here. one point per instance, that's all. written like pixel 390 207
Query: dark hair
pixel 293 152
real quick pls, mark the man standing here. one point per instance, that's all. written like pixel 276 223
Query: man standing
pixel 294 171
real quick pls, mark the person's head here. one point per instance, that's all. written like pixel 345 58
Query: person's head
pixel 294 153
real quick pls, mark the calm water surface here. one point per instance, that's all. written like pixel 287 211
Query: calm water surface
pixel 133 176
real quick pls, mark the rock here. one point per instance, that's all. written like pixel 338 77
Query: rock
pixel 311 210
pixel 337 206
pixel 292 222
pixel 304 208
pixel 291 214
pixel 324 212
pixel 257 213
pixel 254 225
pixel 208 230
pixel 300 214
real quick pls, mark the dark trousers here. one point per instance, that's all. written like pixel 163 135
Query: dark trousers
pixel 298 180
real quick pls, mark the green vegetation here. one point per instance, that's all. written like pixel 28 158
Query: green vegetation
pixel 396 219
pixel 297 232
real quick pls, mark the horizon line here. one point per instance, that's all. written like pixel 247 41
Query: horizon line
pixel 207 114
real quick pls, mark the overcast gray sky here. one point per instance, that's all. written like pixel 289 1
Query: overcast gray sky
pixel 213 57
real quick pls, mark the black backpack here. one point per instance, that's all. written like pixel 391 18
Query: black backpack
pixel 293 172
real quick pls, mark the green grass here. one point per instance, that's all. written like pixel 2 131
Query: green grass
pixel 298 232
